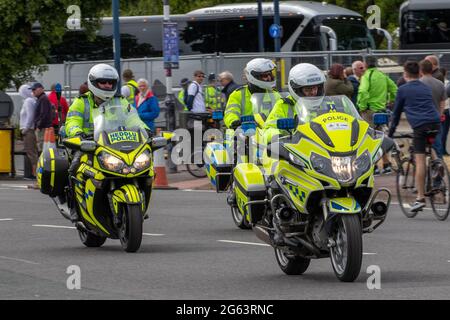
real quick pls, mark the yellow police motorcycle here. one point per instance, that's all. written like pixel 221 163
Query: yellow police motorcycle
pixel 241 145
pixel 313 195
pixel 112 186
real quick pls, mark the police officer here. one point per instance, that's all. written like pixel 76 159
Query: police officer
pixel 305 80
pixel 102 83
pixel 260 74
pixel 128 78
pixel 212 93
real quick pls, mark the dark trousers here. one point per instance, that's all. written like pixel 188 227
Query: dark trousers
pixel 445 129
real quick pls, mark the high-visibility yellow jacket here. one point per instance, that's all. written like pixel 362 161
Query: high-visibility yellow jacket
pixel 239 104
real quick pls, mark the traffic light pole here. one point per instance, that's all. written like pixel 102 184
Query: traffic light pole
pixel 277 41
pixel 116 39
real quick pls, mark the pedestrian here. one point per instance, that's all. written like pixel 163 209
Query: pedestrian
pixel 439 97
pixel 182 95
pixel 61 107
pixel 436 73
pixel 128 79
pixel 375 91
pixel 195 100
pixel 228 84
pixel 416 100
pixel 147 104
pixel 348 71
pixel 212 93
pixel 358 68
pixel 337 83
pixel 83 88
pixel 27 114
pixel 45 113
pixel 446 123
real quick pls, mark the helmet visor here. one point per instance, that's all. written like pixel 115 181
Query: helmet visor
pixel 105 84
pixel 307 91
pixel 266 76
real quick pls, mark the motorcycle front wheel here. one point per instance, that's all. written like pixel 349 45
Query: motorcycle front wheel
pixel 130 233
pixel 91 240
pixel 291 265
pixel 346 254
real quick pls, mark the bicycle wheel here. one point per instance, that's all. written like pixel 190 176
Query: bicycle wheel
pixel 406 191
pixel 197 169
pixel 439 189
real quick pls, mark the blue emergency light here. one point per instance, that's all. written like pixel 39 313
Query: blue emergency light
pixel 380 118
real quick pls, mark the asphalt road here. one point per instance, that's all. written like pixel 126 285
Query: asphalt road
pixel 192 250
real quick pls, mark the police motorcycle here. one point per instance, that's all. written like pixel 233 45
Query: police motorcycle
pixel 313 197
pixel 240 145
pixel 112 186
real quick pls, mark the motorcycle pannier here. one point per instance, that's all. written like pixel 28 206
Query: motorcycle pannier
pixel 217 166
pixel 52 175
pixel 250 186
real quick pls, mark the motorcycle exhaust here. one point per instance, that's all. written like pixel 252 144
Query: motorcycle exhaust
pixel 262 234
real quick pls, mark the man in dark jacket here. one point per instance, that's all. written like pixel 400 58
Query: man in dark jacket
pixel 228 84
pixel 44 113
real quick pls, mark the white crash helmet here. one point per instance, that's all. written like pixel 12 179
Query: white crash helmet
pixel 102 72
pixel 306 75
pixel 255 68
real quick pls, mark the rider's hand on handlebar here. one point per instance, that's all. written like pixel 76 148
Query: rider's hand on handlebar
pixel 235 124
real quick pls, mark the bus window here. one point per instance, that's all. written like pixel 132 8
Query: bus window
pixel 432 26
pixel 308 40
pixel 233 35
pixel 352 32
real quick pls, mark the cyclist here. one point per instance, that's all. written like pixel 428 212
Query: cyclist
pixel 416 100
pixel 261 79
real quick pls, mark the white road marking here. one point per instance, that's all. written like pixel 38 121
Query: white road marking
pixel 193 190
pixel 52 226
pixel 15 186
pixel 65 227
pixel 242 242
pixel 6 219
pixel 369 253
pixel 19 260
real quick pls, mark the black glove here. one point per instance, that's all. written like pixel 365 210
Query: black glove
pixel 149 132
pixel 235 124
pixel 82 135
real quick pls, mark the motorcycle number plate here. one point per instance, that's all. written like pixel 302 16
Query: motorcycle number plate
pixel 123 136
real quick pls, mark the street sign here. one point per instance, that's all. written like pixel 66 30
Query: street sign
pixel 276 31
pixel 170 45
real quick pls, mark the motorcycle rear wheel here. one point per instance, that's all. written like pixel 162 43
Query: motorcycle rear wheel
pixel 291 266
pixel 130 233
pixel 346 255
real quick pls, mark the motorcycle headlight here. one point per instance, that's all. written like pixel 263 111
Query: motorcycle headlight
pixel 142 161
pixel 110 162
pixel 322 165
pixel 296 160
pixel 342 168
pixel 362 164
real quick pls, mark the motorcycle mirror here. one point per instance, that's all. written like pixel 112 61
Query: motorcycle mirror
pixel 158 142
pixel 88 146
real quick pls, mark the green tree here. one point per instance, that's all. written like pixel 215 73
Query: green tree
pixel 25 46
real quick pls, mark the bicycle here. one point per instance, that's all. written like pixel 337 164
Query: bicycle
pixel 196 166
pixel 437 180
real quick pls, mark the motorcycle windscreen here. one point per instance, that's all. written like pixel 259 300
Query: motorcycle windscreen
pixel 118 126
pixel 332 121
pixel 263 103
